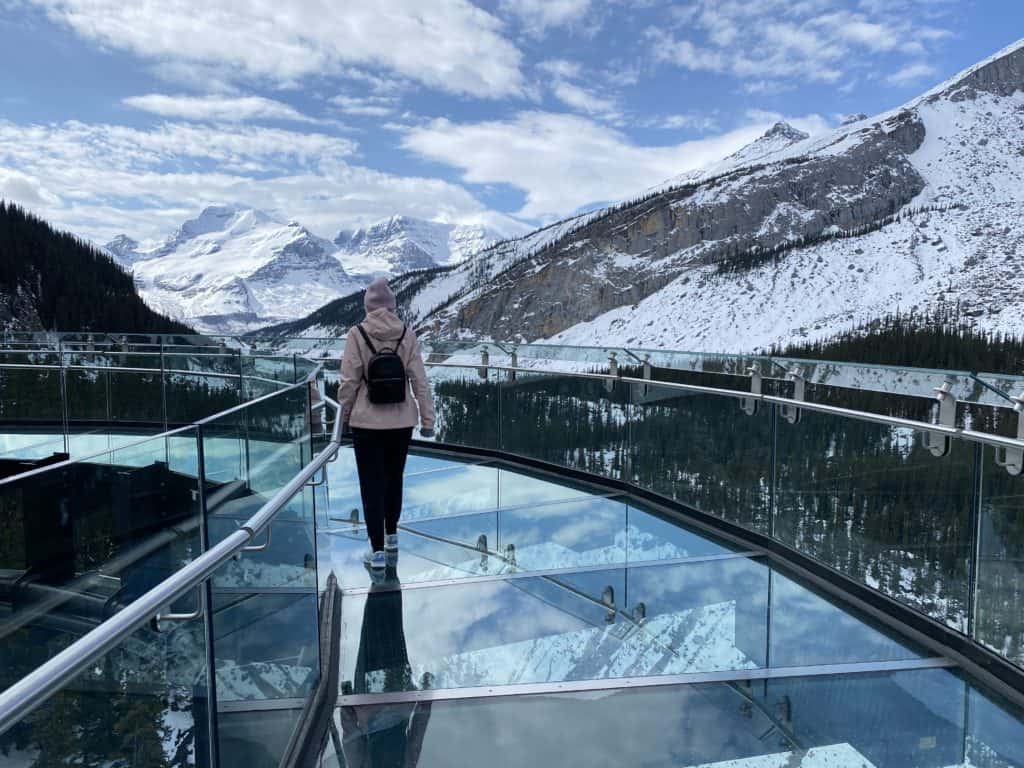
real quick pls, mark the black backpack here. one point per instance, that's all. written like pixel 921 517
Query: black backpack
pixel 385 373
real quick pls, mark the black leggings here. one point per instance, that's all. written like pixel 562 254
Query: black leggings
pixel 380 459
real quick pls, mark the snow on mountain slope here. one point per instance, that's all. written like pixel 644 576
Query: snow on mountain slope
pixel 779 137
pixel 231 270
pixel 971 156
pixel 402 243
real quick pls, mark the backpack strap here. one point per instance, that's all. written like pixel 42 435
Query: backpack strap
pixel 366 338
pixel 401 338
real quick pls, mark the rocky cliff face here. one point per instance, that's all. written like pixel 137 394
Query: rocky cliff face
pixel 628 254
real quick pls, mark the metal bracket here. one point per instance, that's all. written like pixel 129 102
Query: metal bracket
pixel 749 404
pixel 258 547
pixel 200 604
pixel 613 369
pixel 936 442
pixel 792 413
pixel 323 479
pixel 481 547
pixel 485 362
pixel 608 600
pixel 1012 459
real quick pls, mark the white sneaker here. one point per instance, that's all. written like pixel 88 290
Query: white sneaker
pixel 375 560
pixel 391 542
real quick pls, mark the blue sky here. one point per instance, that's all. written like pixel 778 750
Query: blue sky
pixel 130 117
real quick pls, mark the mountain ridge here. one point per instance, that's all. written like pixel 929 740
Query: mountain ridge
pixel 914 209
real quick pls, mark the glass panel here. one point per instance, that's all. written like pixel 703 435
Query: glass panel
pixel 567 421
pixel 565 535
pixel 491 633
pixel 81 541
pixel 191 397
pixel 1000 590
pixel 911 719
pixel 449 490
pixel 32 395
pixel 254 738
pixel 995 732
pixel 873 502
pixel 422 558
pixel 265 631
pixel 656 536
pixel 682 618
pixel 467 403
pixel 703 451
pixel 517 489
pixel 808 628
pixel 143 704
pixel 249 455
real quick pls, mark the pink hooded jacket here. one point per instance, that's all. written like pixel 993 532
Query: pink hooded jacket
pixel 384 329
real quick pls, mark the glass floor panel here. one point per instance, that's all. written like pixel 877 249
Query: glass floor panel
pixel 590 532
pixel 903 719
pixel 674 619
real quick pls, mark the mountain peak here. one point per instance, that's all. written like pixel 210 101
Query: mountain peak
pixel 220 218
pixel 124 249
pixel 783 130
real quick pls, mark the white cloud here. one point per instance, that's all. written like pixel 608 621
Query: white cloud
pixel 118 179
pixel 567 70
pixel 574 95
pixel 230 109
pixel 776 43
pixel 564 162
pixel 582 99
pixel 694 121
pixel 912 73
pixel 365 106
pixel 447 44
pixel 538 15
pixel 25 190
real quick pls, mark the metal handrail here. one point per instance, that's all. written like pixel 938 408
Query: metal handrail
pixel 34 689
pixel 132 369
pixel 893 421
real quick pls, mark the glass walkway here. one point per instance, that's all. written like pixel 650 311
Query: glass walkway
pixel 689 560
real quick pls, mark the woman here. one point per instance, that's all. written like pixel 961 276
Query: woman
pixel 381 431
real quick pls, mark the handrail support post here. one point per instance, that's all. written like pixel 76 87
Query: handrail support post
pixel 1012 459
pixel 749 404
pixel 937 442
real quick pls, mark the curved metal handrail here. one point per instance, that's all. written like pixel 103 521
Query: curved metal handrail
pixel 895 421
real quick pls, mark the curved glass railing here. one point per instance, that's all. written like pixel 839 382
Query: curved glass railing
pixel 131 578
pixel 100 395
pixel 922 506
pixel 924 513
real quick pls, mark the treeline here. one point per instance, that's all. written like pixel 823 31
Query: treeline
pixel 750 258
pixel 69 283
pixel 944 339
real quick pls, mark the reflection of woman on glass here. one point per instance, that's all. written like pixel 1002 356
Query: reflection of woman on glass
pixel 381 367
pixel 386 735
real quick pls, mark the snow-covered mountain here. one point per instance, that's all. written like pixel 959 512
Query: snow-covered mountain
pixel 233 269
pixel 402 243
pixel 791 238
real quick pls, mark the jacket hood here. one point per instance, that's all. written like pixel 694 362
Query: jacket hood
pixel 383 324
